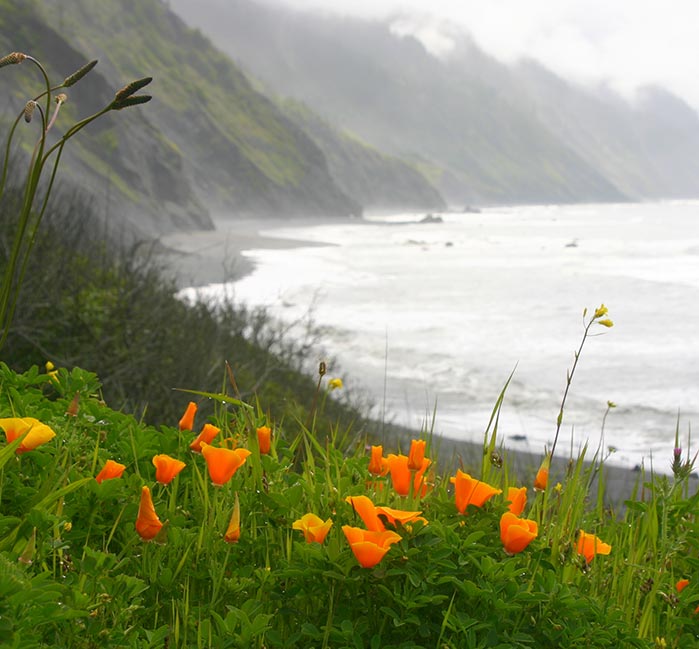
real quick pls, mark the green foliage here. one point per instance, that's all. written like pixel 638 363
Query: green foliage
pixel 113 310
pixel 93 582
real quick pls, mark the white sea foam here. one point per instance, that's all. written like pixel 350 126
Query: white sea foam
pixel 457 305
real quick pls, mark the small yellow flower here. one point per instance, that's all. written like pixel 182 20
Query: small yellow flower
pixel 606 322
pixel 600 311
pixel 51 371
pixel 335 384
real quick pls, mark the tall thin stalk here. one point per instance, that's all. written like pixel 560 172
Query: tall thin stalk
pixel 29 217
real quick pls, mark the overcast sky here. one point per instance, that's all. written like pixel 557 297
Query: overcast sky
pixel 626 43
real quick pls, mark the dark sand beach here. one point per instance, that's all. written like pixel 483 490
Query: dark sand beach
pixel 198 258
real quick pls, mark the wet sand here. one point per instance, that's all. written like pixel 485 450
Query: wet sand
pixel 201 257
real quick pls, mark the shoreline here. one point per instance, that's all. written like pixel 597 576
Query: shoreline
pixel 199 258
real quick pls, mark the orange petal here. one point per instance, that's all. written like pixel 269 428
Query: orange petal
pixel 37 433
pixel 400 474
pixel 264 439
pixel 206 436
pixel 517 499
pixel 516 533
pixel 147 522
pixel 223 462
pixel 110 470
pixel 313 527
pixel 166 468
pixel 187 421
pixel 589 545
pixel 542 475
pixel 369 547
pixel 417 454
pixel 394 516
pixel 367 512
pixel 378 465
pixel 469 491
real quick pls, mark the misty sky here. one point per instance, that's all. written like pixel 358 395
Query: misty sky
pixel 626 43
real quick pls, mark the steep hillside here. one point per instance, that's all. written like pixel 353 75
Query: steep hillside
pixel 646 148
pixel 208 137
pixel 132 170
pixel 394 95
pixel 376 180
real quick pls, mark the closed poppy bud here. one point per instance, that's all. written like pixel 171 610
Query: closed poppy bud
pixel 208 432
pixel 147 522
pixel 36 432
pixel 166 468
pixel 232 534
pixel 517 499
pixel 542 475
pixel 369 547
pixel 589 545
pixel 469 491
pixel 264 439
pixel 516 533
pixel 417 454
pixel 110 470
pixel 378 465
pixel 313 527
pixel 187 421
pixel 223 462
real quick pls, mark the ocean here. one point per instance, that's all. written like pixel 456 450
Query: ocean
pixel 430 319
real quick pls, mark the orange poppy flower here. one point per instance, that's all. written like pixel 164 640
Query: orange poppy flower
pixel 516 533
pixel 469 491
pixel 589 545
pixel 264 439
pixel 369 547
pixel 110 470
pixel 187 421
pixel 417 454
pixel 223 462
pixel 37 433
pixel 542 475
pixel 206 436
pixel 517 499
pixel 166 468
pixel 400 475
pixel 378 465
pixel 232 534
pixel 313 527
pixel 147 522
pixel 371 514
